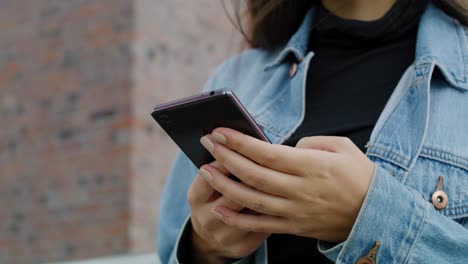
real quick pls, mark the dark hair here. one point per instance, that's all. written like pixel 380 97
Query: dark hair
pixel 270 23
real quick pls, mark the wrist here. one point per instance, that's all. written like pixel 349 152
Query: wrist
pixel 201 252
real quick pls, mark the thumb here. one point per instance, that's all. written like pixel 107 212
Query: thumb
pixel 201 191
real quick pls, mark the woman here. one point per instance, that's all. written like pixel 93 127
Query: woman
pixel 329 80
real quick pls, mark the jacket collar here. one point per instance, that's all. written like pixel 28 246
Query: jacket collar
pixel 297 44
pixel 441 39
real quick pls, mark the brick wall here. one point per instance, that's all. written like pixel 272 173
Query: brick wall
pixel 178 43
pixel 81 162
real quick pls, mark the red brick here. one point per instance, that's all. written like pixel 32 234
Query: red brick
pixel 81 161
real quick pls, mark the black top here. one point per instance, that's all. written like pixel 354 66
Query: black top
pixel 355 68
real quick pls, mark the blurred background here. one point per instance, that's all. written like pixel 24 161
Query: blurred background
pixel 82 163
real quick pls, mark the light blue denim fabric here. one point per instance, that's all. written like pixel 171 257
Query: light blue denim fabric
pixel 421 134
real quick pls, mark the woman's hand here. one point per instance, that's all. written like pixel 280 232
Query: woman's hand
pixel 314 190
pixel 212 240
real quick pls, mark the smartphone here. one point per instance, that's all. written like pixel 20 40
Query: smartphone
pixel 187 120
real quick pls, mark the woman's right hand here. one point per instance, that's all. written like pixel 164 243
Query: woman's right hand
pixel 212 240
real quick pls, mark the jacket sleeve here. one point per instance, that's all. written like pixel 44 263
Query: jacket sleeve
pixel 408 228
pixel 174 209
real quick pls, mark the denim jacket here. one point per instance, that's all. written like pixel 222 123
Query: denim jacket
pixel 422 134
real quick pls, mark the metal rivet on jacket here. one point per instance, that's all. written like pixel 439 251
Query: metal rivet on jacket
pixel 439 197
pixel 371 255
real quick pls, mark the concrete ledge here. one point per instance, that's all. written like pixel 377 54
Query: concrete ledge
pixel 124 259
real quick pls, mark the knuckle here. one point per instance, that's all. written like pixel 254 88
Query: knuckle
pixel 269 157
pixel 236 145
pixel 285 210
pixel 334 168
pixel 191 197
pixel 255 180
pixel 344 141
pixel 302 142
pixel 257 205
pixel 325 168
pixel 325 174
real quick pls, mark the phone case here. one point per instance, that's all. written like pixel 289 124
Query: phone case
pixel 187 120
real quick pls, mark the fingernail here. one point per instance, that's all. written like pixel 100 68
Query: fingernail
pixel 217 214
pixel 218 137
pixel 206 174
pixel 207 143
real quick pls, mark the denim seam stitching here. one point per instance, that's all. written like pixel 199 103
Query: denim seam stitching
pixel 462 51
pixel 445 152
pixel 377 155
pixel 414 159
pixel 268 105
pixel 391 161
pixel 452 163
pixel 418 233
pixel 422 65
pixel 264 109
pixel 268 127
pixel 447 212
pixel 431 153
pixel 395 106
pixel 386 150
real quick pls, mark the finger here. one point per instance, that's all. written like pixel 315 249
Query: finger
pixel 226 202
pixel 326 143
pixel 274 156
pixel 200 191
pixel 245 195
pixel 255 175
pixel 254 223
pixel 220 167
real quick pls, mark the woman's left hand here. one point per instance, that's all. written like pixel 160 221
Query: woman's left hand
pixel 315 189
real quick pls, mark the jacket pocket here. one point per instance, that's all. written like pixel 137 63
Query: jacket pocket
pixel 445 173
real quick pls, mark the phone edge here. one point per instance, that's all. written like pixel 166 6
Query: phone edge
pixel 190 99
pixel 253 124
